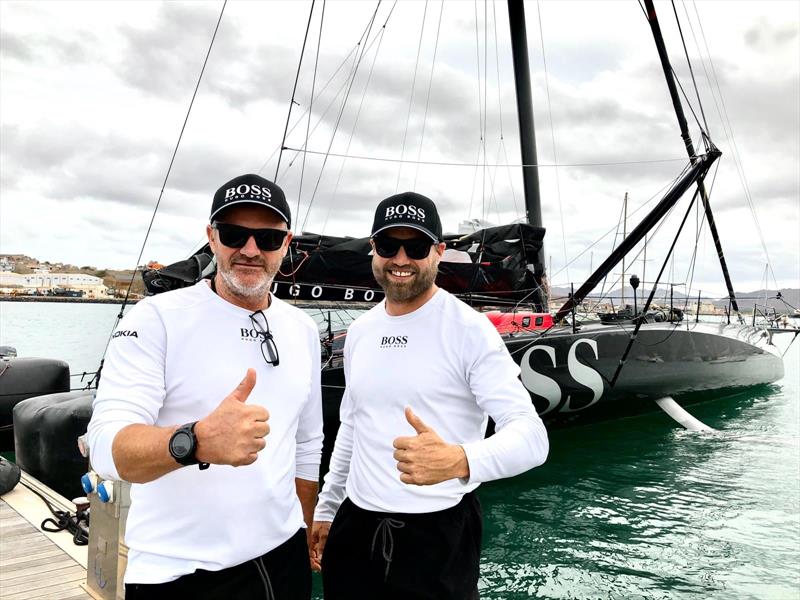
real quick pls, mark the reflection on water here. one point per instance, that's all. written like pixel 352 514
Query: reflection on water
pixel 639 508
pixel 635 508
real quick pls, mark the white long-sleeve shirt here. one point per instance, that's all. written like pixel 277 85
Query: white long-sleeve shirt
pixel 449 364
pixel 171 361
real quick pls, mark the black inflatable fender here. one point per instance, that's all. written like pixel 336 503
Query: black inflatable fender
pixel 9 475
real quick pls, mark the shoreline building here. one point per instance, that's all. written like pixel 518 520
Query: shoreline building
pixel 42 281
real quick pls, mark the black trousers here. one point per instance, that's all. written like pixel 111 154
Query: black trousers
pixel 281 574
pixel 372 555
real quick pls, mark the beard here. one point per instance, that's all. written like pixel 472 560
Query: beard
pixel 404 291
pixel 239 286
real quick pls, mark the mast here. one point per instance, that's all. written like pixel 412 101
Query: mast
pixel 687 141
pixel 527 136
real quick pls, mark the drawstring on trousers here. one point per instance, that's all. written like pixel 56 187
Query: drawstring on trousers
pixel 387 540
pixel 262 572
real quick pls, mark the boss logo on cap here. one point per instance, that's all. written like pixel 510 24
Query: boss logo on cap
pixel 405 210
pixel 252 190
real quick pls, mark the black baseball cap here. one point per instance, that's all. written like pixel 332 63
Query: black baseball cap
pixel 408 209
pixel 251 189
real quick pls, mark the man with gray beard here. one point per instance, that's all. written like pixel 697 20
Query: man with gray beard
pixel 398 516
pixel 223 468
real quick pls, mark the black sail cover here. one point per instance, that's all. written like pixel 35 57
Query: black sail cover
pixel 496 265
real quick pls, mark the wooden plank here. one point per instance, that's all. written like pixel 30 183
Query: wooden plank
pixel 22 528
pixel 30 507
pixel 10 517
pixel 6 561
pixel 41 580
pixel 27 545
pixel 32 565
pixel 45 573
pixel 42 566
pixel 51 592
pixel 78 595
pixel 20 543
pixel 15 536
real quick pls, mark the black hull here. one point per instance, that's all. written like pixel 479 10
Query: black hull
pixel 678 360
pixel 568 374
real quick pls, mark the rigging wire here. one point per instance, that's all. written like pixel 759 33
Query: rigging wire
pixel 500 114
pixel 614 243
pixel 411 98
pixel 656 195
pixel 480 111
pixel 732 139
pixel 699 230
pixel 703 135
pixel 691 71
pixel 379 37
pixel 341 112
pixel 294 89
pixel 485 104
pixel 310 104
pixel 321 120
pixel 492 190
pixel 478 163
pixel 552 137
pixel 602 295
pixel 428 96
pixel 166 177
pixel 652 293
pixel 335 96
pixel 300 118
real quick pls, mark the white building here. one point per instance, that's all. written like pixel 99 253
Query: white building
pixel 44 281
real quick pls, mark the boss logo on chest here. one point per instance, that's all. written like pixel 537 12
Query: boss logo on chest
pixel 250 335
pixel 393 341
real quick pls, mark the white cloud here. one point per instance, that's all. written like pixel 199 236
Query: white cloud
pixel 94 95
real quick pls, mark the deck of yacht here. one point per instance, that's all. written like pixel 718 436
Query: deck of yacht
pixel 34 563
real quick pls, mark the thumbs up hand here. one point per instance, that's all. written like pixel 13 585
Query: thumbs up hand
pixel 426 459
pixel 233 434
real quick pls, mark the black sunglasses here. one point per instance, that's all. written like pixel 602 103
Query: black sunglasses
pixel 268 348
pixel 236 236
pixel 416 248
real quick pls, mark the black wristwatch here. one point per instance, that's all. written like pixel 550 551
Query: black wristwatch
pixel 183 445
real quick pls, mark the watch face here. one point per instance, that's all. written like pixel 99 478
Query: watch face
pixel 181 444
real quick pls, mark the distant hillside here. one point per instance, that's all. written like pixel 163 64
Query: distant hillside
pixel 746 300
pixel 563 292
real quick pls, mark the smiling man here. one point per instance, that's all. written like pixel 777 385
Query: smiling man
pixel 398 516
pixel 224 468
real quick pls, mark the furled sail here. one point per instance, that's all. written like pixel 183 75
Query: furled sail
pixel 496 265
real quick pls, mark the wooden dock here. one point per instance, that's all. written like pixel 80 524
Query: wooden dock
pixel 34 563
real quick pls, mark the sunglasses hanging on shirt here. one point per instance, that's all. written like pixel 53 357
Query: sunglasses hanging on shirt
pixel 236 236
pixel 416 248
pixel 268 348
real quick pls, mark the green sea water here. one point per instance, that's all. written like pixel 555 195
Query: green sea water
pixel 634 508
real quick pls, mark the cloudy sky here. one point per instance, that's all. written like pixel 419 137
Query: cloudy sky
pixel 93 97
